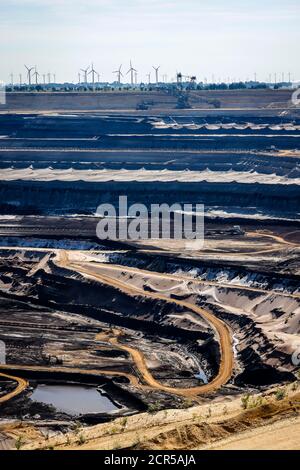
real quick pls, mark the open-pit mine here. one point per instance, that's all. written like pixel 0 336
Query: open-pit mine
pixel 108 344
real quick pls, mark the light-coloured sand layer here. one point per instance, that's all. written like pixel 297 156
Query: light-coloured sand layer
pixel 233 125
pixel 142 175
pixel 282 435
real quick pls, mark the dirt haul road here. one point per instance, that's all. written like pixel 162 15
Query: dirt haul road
pixel 189 279
pixel 22 384
pixel 68 370
pixel 221 329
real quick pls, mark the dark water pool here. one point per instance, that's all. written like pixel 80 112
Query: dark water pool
pixel 73 399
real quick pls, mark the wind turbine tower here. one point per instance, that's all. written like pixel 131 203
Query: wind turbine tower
pixel 85 71
pixel 132 70
pixel 93 72
pixel 29 70
pixel 156 72
pixel 119 73
pixel 36 74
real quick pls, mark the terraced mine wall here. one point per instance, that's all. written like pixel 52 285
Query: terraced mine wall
pixel 62 197
pixel 151 317
pixel 118 100
pixel 200 142
pixel 212 269
pixel 58 290
pixel 138 314
pixel 242 161
pixel 90 125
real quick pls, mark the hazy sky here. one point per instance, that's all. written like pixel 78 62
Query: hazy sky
pixel 227 38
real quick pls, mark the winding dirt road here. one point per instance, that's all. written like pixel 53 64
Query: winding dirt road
pixel 70 370
pixel 22 384
pixel 221 329
pixel 186 278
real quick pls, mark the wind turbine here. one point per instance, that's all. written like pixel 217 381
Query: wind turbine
pixel 156 72
pixel 79 78
pixel 36 74
pixel 29 70
pixel 93 72
pixel 85 71
pixel 49 77
pixel 119 73
pixel 131 71
pixel 20 77
pixel 149 77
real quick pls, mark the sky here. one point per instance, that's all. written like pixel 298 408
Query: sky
pixel 224 39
